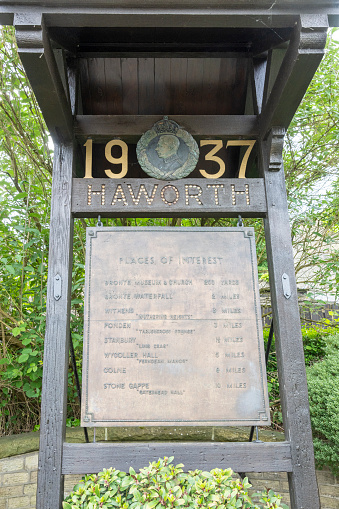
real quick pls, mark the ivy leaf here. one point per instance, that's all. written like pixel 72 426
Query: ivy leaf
pixel 31 393
pixel 16 331
pixel 23 358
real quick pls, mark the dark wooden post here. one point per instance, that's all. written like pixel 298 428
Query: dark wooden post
pixel 289 345
pixel 55 374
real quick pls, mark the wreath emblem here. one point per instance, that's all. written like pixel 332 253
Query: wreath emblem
pixel 167 151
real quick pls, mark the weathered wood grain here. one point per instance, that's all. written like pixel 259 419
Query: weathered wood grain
pixel 240 456
pixel 146 84
pixel 39 62
pixel 96 76
pixel 129 77
pixel 103 128
pixel 55 372
pixel 125 13
pixel 174 3
pixel 258 73
pixel 113 83
pixel 182 90
pixel 288 340
pixel 162 83
pixel 211 202
pixel 164 55
pixel 73 83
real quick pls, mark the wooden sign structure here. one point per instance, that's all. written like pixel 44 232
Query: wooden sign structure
pixel 229 71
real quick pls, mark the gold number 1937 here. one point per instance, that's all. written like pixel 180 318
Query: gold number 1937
pixel 210 156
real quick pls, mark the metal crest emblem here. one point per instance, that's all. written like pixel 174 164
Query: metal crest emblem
pixel 167 152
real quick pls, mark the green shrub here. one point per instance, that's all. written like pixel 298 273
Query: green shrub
pixel 162 485
pixel 323 388
pixel 314 341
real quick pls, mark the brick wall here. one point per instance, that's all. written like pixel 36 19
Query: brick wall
pixel 18 476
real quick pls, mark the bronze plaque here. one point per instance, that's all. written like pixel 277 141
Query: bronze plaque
pixel 173 329
pixel 167 151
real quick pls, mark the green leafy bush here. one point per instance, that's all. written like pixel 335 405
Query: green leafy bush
pixel 314 341
pixel 162 485
pixel 323 388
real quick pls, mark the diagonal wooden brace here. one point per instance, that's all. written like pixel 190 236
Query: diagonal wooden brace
pixel 302 58
pixel 38 59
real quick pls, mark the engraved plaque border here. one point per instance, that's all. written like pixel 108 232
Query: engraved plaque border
pixel 88 417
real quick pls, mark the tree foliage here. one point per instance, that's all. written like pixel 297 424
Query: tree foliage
pixel 312 178
pixel 25 183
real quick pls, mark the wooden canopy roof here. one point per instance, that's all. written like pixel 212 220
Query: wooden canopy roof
pixel 225 60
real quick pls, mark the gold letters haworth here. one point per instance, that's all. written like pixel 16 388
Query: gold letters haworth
pixel 151 197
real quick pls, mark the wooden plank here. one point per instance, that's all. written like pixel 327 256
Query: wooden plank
pixel 194 98
pixel 253 14
pixel 119 198
pixel 61 69
pixel 258 82
pixel 55 372
pixel 178 86
pixel 6 18
pixel 227 79
pixel 129 78
pixel 73 83
pixel 85 90
pixel 200 17
pixel 162 83
pixel 183 89
pixel 97 81
pixel 333 19
pixel 171 3
pixel 302 58
pixel 240 456
pixel 274 61
pixel 235 16
pixel 146 86
pixel 113 86
pixel 197 54
pixel 288 338
pixel 232 85
pixel 210 83
pixel 103 128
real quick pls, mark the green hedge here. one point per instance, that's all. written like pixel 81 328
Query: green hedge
pixel 323 388
pixel 314 340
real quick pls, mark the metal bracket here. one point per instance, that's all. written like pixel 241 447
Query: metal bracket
pixel 57 287
pixel 286 286
pixel 257 441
